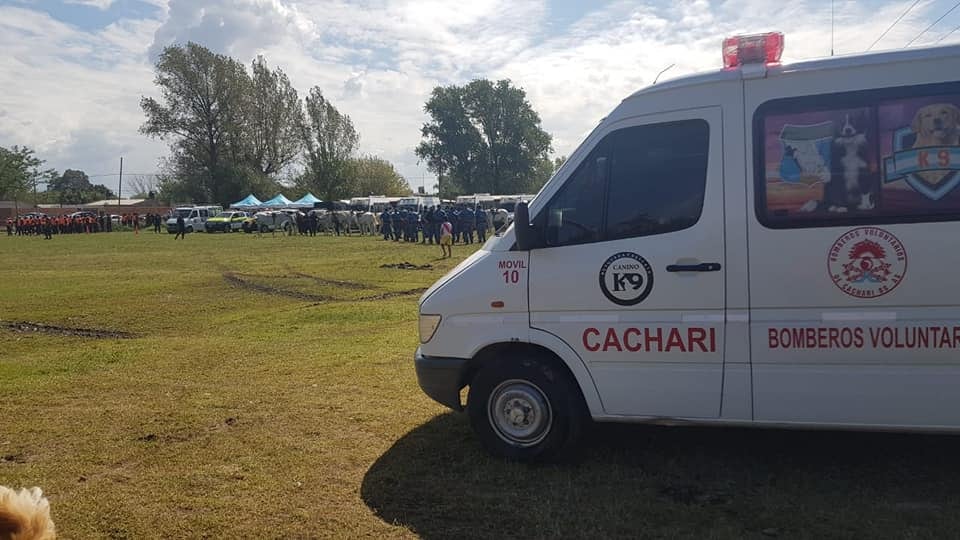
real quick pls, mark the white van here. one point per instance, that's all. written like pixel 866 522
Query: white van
pixel 194 217
pixel 417 204
pixel 765 245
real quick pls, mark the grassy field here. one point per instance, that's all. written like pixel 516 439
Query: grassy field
pixel 264 387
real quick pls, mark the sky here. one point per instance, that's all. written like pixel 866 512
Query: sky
pixel 72 72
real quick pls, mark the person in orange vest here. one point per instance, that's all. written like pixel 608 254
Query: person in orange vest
pixel 47 229
pixel 135 218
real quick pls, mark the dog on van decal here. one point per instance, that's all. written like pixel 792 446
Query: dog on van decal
pixel 849 187
pixel 936 125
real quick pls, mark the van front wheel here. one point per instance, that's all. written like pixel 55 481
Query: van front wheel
pixel 526 409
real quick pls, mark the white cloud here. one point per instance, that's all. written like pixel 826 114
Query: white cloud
pixel 76 93
pixel 99 4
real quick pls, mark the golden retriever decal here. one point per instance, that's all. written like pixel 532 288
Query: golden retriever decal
pixel 927 153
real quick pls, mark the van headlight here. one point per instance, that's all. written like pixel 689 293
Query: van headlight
pixel 428 326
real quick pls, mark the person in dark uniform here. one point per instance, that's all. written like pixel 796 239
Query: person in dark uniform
pixel 413 226
pixel 336 223
pixel 481 221
pixel 428 225
pixel 9 226
pixel 385 218
pixel 467 219
pixel 181 228
pixel 312 223
pixel 399 220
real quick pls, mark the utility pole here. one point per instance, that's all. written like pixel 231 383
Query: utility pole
pixel 120 185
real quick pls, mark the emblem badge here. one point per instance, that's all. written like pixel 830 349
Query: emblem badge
pixel 626 279
pixel 867 262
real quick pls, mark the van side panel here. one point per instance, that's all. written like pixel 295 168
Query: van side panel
pixel 853 311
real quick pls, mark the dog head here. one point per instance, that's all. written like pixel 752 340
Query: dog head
pixel 25 515
pixel 937 122
pixel 847 129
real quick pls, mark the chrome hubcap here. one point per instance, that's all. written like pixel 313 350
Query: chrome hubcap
pixel 519 412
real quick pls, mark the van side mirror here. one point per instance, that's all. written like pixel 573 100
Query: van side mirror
pixel 528 236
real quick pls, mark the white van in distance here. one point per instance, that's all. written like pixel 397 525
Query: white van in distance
pixel 194 217
pixel 768 245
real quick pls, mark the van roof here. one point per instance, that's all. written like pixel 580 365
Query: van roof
pixel 834 62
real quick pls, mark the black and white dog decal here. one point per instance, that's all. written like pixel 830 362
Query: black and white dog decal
pixel 850 186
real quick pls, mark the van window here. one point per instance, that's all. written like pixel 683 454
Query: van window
pixel 203 213
pixel 658 176
pixel 575 215
pixel 638 181
pixel 882 156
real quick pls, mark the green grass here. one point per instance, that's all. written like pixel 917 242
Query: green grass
pixel 269 392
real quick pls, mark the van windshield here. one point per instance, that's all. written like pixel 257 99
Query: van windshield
pixel 509 206
pixel 182 212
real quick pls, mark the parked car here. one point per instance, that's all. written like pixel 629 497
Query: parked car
pixel 229 221
pixel 272 220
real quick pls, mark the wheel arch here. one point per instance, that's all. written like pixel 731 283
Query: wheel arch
pixel 545 346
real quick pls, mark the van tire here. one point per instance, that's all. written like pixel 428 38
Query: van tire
pixel 553 411
pixel 189 229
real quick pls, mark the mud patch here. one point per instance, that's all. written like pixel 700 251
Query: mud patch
pixel 243 281
pixel 25 327
pixel 408 266
pixel 13 458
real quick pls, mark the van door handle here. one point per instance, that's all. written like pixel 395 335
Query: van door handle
pixel 702 267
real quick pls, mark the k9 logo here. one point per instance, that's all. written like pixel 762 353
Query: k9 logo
pixel 621 281
pixel 626 278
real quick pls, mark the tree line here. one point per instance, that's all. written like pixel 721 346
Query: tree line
pixel 232 132
pixel 22 173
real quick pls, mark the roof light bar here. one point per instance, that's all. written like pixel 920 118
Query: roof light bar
pixel 752 49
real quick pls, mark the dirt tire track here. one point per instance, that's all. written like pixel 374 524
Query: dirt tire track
pixel 26 327
pixel 334 282
pixel 393 294
pixel 237 280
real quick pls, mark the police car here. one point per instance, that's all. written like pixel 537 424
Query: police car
pixel 768 245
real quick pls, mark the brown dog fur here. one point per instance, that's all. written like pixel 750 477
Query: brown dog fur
pixel 25 515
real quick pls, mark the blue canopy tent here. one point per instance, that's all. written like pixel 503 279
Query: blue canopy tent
pixel 277 202
pixel 247 202
pixel 307 201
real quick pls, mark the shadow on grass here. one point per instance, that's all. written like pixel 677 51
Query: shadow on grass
pixel 645 481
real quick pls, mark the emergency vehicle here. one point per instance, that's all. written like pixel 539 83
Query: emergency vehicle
pixel 769 245
pixel 194 217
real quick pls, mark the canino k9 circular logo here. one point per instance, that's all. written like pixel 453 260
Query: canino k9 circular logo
pixel 867 262
pixel 626 278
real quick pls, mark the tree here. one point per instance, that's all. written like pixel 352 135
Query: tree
pixel 329 140
pixel 74 187
pixel 20 172
pixel 484 137
pixel 371 175
pixel 201 114
pixel 273 116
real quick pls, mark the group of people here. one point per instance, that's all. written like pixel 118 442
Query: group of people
pixel 86 223
pixel 411 226
pixel 36 225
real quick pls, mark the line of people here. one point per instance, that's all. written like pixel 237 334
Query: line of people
pixel 411 226
pixel 50 225
pixel 47 226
